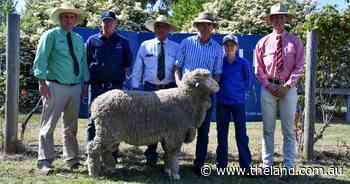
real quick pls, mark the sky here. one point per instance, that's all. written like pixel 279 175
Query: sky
pixel 340 3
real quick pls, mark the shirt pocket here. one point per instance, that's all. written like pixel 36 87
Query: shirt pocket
pixel 117 51
pixel 61 45
pixel 290 53
pixel 150 61
pixel 268 57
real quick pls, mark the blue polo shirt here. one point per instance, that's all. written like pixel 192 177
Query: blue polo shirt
pixel 108 58
pixel 235 81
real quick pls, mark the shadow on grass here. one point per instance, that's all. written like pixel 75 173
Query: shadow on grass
pixel 153 175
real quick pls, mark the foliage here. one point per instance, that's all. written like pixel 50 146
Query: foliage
pixel 184 11
pixel 36 20
pixel 334 47
pixel 245 16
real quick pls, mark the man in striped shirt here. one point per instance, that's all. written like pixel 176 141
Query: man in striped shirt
pixel 279 65
pixel 200 51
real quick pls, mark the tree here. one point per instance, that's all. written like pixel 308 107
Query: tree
pixel 244 16
pixel 184 11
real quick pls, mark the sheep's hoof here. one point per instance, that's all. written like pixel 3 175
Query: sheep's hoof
pixel 176 176
pixel 167 172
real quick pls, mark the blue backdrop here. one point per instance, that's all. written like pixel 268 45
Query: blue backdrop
pixel 247 45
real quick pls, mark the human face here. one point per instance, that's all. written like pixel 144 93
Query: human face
pixel 162 30
pixel 204 29
pixel 278 22
pixel 68 21
pixel 108 26
pixel 230 48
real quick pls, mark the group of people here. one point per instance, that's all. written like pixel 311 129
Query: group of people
pixel 65 67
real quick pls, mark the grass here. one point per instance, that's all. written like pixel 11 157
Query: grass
pixel 332 151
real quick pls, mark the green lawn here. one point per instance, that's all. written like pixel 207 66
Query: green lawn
pixel 332 151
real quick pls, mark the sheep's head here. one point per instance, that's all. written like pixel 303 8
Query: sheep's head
pixel 200 79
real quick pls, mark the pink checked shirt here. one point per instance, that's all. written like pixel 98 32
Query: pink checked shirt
pixel 293 59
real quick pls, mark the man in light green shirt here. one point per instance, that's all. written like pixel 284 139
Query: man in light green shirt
pixel 61 68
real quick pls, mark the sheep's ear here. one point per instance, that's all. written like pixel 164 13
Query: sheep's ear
pixel 196 85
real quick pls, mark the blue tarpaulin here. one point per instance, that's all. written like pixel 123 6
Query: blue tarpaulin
pixel 247 45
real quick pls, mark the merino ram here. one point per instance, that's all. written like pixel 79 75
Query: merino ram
pixel 169 116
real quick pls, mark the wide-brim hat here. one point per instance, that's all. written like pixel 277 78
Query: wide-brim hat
pixel 278 9
pixel 204 17
pixel 161 19
pixel 66 8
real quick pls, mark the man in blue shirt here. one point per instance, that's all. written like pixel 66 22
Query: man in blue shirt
pixel 201 51
pixel 154 66
pixel 108 57
pixel 234 84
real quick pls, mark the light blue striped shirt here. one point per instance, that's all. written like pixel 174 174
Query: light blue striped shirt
pixel 146 64
pixel 195 54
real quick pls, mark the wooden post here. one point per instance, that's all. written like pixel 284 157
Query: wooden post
pixel 310 93
pixel 12 83
pixel 348 111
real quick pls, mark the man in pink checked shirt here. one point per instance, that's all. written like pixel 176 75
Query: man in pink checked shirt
pixel 279 65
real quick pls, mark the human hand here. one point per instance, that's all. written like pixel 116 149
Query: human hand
pixel 44 89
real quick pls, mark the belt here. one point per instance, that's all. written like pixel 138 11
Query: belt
pixel 161 86
pixel 276 81
pixel 56 81
pixel 106 84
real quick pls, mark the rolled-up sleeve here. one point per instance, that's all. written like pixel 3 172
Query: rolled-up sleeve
pixel 298 69
pixel 43 51
pixel 180 61
pixel 260 71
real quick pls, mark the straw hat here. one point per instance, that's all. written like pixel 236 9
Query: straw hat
pixel 161 19
pixel 278 9
pixel 205 17
pixel 66 8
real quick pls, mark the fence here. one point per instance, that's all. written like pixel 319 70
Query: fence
pixel 247 45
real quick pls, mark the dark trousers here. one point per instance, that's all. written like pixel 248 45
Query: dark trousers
pixel 151 151
pixel 224 114
pixel 202 138
pixel 96 90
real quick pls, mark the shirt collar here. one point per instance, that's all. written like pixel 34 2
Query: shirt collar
pixel 158 41
pixel 283 34
pixel 113 36
pixel 210 42
pixel 62 31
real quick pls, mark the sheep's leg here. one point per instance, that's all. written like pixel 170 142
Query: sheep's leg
pixel 94 154
pixel 171 162
pixel 174 165
pixel 167 169
pixel 108 159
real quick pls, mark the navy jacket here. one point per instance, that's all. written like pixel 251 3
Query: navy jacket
pixel 108 58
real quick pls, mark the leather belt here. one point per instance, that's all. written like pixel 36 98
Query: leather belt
pixel 161 86
pixel 56 81
pixel 276 81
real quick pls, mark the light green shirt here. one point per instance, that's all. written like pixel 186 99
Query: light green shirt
pixel 53 60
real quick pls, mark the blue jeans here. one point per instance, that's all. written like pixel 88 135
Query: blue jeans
pixel 202 138
pixel 96 90
pixel 151 151
pixel 224 114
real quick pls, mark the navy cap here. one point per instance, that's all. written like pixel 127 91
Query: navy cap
pixel 230 37
pixel 108 15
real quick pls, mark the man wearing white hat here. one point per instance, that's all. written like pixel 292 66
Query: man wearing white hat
pixel 201 51
pixel 154 66
pixel 279 65
pixel 61 68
